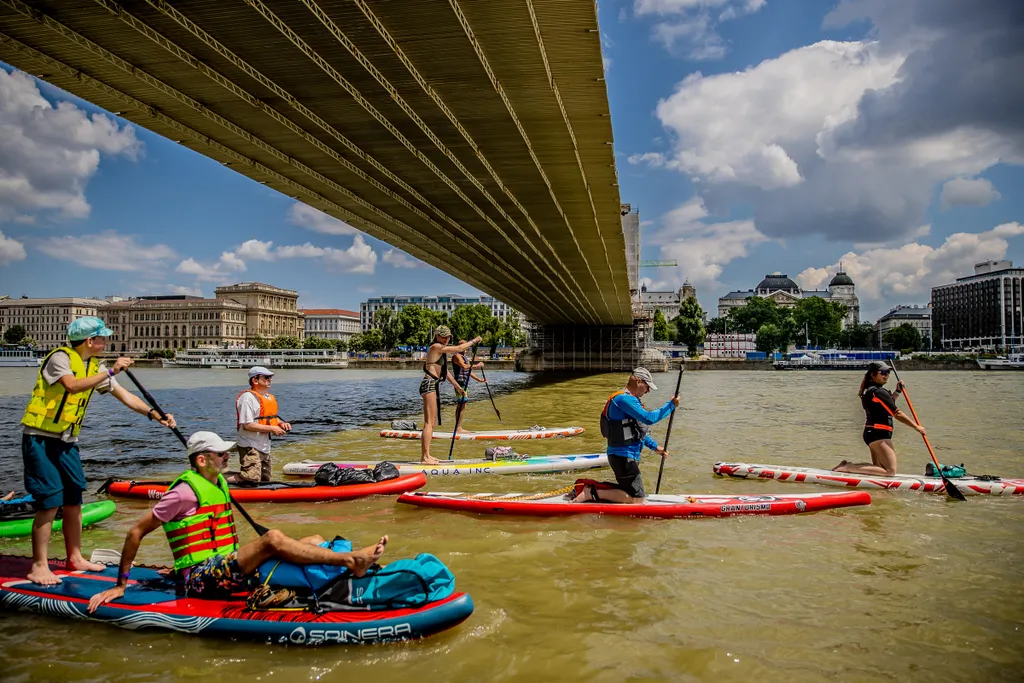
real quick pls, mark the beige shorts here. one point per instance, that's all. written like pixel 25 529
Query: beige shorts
pixel 255 466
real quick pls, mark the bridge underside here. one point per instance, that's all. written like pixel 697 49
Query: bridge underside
pixel 474 135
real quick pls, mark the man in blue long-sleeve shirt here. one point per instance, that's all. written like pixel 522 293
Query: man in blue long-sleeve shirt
pixel 625 422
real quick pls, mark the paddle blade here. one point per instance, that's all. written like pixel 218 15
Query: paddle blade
pixel 952 490
pixel 104 556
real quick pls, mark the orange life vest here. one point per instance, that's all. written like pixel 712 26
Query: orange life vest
pixel 268 409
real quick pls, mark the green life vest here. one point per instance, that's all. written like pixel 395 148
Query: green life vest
pixel 208 532
pixel 52 408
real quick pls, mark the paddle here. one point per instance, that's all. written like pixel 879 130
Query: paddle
pixel 259 528
pixel 952 490
pixel 668 430
pixel 484 375
pixel 462 403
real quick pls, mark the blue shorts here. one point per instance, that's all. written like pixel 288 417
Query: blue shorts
pixel 53 471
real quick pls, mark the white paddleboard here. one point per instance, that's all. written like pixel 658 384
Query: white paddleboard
pixel 521 465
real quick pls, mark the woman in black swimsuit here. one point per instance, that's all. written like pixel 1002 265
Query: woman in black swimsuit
pixel 463 373
pixel 880 409
pixel 435 370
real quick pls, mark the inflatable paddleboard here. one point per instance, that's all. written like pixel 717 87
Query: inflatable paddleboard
pixel 150 602
pixel 665 507
pixel 508 435
pixel 276 492
pixel 20 523
pixel 898 482
pixel 528 463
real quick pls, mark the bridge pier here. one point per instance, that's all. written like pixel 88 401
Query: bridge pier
pixel 592 349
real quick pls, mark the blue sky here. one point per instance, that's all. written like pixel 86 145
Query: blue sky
pixel 753 135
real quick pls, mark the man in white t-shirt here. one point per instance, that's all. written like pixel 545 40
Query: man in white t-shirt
pixel 257 419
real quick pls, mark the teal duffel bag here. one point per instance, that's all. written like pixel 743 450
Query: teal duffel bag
pixel 399 584
pixel 948 471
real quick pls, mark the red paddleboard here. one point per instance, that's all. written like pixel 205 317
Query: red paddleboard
pixel 276 492
pixel 665 507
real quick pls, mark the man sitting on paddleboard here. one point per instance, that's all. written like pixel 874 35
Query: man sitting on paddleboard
pixel 209 562
pixel 625 422
pixel 880 409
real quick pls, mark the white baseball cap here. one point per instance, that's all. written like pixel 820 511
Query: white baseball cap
pixel 259 371
pixel 645 375
pixel 203 442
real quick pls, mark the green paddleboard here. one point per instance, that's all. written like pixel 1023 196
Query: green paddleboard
pixel 21 524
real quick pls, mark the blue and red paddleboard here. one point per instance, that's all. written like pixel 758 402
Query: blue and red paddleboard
pixel 150 602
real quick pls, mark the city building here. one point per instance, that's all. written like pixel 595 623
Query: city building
pixel 330 323
pixel 917 316
pixel 730 345
pixel 786 293
pixel 446 303
pixel 175 322
pixel 270 311
pixel 46 320
pixel 983 310
pixel 666 302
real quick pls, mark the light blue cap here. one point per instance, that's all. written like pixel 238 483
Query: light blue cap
pixel 89 326
pixel 260 371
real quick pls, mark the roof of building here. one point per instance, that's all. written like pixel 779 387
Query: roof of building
pixel 907 312
pixel 776 281
pixel 739 295
pixel 328 311
pixel 841 278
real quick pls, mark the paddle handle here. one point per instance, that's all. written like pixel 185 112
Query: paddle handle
pixel 462 403
pixel 668 430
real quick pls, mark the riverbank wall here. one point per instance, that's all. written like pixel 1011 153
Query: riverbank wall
pixel 908 365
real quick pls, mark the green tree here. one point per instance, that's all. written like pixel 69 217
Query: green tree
pixel 370 341
pixel 903 337
pixel 758 311
pixel 717 326
pixel 469 321
pixel 14 334
pixel 860 336
pixel 28 341
pixel 771 337
pixel 660 326
pixel 285 341
pixel 821 320
pixel 690 324
pixel 260 343
pixel 416 326
pixel 341 345
pixel 386 320
pixel 317 343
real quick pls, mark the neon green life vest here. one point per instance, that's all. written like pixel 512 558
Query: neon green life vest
pixel 52 408
pixel 208 532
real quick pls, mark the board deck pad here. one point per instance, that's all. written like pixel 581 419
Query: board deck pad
pixel 969 485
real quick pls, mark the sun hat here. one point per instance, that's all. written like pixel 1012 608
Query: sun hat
pixel 89 326
pixel 202 442
pixel 259 371
pixel 442 331
pixel 645 375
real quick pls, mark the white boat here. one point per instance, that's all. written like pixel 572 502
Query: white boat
pixel 243 359
pixel 1014 361
pixel 18 358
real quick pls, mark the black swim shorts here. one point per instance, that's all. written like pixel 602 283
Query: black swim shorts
pixel 627 475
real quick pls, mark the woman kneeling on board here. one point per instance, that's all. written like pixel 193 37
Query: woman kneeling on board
pixel 880 409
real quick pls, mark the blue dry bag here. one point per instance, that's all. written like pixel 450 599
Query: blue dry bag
pixel 310 577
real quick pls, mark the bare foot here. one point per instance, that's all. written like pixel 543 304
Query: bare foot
pixel 367 557
pixel 429 460
pixel 9 496
pixel 42 575
pixel 83 565
pixel 840 466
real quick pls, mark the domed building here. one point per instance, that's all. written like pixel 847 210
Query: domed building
pixel 786 293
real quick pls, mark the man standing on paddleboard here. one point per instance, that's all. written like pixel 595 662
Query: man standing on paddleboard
pixel 256 421
pixel 435 369
pixel 625 423
pixel 49 445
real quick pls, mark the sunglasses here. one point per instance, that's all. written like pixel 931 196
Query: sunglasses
pixel 884 372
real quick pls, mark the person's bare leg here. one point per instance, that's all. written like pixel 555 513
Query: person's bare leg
pixel 883 463
pixel 276 544
pixel 72 527
pixel 42 525
pixel 461 417
pixel 429 418
pixel 9 496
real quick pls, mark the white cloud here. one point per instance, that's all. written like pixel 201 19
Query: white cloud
pixel 400 259
pixel 48 153
pixel 306 250
pixel 907 273
pixel 318 221
pixel 690 27
pixel 255 250
pixel 359 258
pixel 220 271
pixel 107 250
pixel 10 250
pixel 187 291
pixel 702 248
pixel 968 192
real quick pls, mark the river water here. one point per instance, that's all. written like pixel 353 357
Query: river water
pixel 914 587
